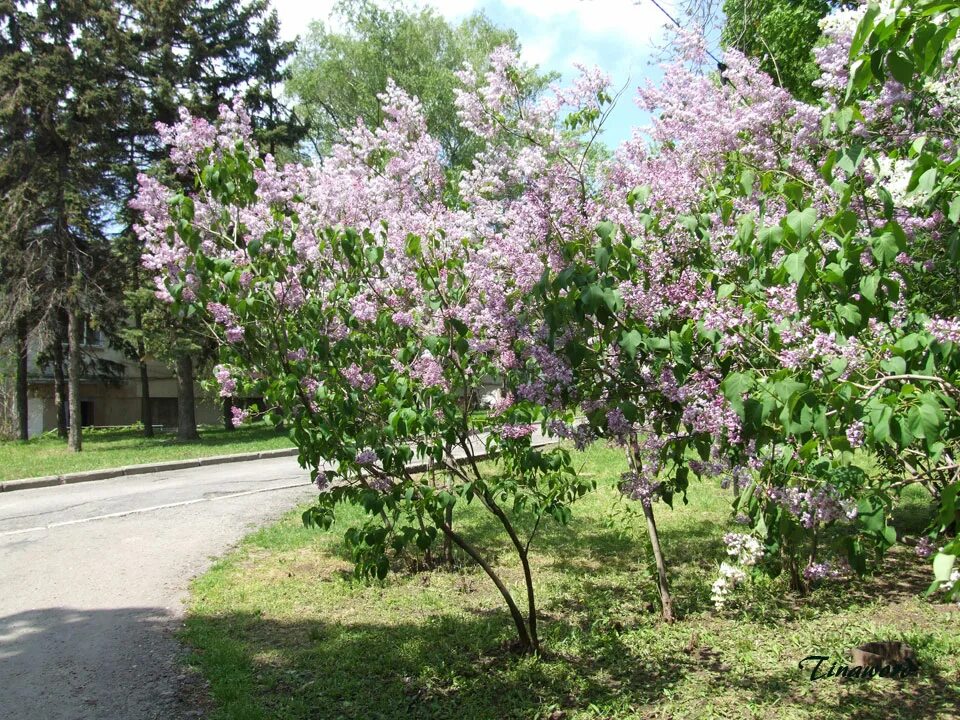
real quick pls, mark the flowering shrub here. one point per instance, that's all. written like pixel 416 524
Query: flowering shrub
pixel 375 312
pixel 760 294
pixel 769 305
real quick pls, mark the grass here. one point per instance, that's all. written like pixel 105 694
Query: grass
pixel 281 629
pixel 48 454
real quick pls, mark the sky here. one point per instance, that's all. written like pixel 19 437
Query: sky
pixel 619 36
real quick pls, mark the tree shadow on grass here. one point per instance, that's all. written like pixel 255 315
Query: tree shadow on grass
pixel 928 694
pixel 446 667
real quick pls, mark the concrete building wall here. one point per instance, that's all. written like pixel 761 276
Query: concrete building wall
pixel 112 403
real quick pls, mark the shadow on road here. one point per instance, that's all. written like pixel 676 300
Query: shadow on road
pixel 91 664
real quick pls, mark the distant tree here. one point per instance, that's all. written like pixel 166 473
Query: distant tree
pixel 59 84
pixel 337 75
pixel 198 55
pixel 781 34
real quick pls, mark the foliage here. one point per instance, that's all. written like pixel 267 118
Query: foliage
pixel 753 291
pixel 761 308
pixel 376 317
pixel 781 34
pixel 279 627
pixel 338 76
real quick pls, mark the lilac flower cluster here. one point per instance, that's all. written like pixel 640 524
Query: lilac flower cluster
pixel 826 571
pixel 366 457
pixel 228 385
pixel 516 432
pixel 730 577
pixel 925 548
pixel 428 371
pixel 745 548
pixel 238 415
pixel 817 506
pixel 855 434
pixel 945 330
pixel 222 315
pixel 618 426
pixel 640 487
pixel 357 378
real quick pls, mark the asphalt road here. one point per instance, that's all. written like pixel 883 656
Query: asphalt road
pixel 93 578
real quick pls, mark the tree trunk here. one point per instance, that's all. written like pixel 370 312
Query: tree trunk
pixel 228 414
pixel 523 634
pixel 146 411
pixel 22 421
pixel 666 602
pixel 186 410
pixel 75 439
pixel 59 381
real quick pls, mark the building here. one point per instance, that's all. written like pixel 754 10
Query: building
pixel 110 391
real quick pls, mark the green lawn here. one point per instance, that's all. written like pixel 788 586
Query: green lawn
pixel 281 629
pixel 48 455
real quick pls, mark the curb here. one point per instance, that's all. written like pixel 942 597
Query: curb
pixel 147 468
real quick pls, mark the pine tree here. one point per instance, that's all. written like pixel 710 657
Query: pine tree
pixel 197 54
pixel 59 88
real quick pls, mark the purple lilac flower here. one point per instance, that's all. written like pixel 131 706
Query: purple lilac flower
pixel 516 432
pixel 925 548
pixel 855 434
pixel 366 457
pixel 826 571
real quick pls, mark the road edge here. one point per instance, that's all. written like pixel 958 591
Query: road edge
pixel 146 468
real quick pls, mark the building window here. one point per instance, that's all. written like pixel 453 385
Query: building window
pixel 91 337
pixel 86 413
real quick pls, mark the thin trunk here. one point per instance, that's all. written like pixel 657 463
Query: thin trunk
pixel 60 381
pixel 447 544
pixel 146 409
pixel 228 414
pixel 186 411
pixel 523 635
pixel 666 602
pixel 75 439
pixel 23 427
pixel 524 562
pixel 663 588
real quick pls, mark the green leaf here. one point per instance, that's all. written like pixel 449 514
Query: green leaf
pixel 953 213
pixel 850 313
pixel 630 341
pixel 943 566
pixel 886 247
pixel 863 29
pixel 606 230
pixel 638 195
pixel 602 257
pixel 869 285
pixel 413 245
pixel 926 182
pixel 796 264
pixel 736 384
pixel 802 222
pixel 926 418
pixel 901 67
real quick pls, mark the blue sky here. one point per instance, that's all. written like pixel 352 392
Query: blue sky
pixel 619 36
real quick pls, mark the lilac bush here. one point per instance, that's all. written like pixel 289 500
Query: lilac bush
pixel 754 289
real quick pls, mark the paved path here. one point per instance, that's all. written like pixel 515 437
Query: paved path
pixel 93 577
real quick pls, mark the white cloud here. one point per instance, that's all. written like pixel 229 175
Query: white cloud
pixel 296 15
pixel 635 20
